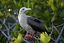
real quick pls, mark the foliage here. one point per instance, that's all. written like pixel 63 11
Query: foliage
pixel 49 11
pixel 18 39
pixel 44 37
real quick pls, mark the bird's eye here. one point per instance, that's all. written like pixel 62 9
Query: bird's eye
pixel 22 9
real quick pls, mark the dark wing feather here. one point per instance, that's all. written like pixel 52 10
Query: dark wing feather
pixel 36 24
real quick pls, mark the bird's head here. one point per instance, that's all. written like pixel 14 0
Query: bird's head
pixel 24 9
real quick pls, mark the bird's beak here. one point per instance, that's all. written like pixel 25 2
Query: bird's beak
pixel 28 8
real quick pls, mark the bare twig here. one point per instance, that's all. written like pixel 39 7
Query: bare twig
pixel 59 35
pixel 60 25
pixel 4 34
pixel 52 29
pixel 4 21
pixel 56 29
pixel 12 25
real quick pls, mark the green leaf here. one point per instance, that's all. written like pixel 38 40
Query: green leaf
pixel 44 37
pixel 0 26
pixel 1 14
pixel 19 38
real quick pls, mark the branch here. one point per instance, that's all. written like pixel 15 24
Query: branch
pixel 60 25
pixel 56 29
pixel 4 34
pixel 59 35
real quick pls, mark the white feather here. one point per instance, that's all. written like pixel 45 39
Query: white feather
pixel 22 17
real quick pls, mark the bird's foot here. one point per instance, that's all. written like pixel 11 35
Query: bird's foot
pixel 29 36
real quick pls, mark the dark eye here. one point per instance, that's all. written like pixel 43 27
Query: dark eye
pixel 22 9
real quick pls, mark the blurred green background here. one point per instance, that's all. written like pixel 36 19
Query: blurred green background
pixel 50 11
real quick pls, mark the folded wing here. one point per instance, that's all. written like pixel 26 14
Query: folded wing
pixel 36 24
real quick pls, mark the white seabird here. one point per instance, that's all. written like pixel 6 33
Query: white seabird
pixel 29 23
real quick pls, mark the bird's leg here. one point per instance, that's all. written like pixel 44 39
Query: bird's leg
pixel 29 35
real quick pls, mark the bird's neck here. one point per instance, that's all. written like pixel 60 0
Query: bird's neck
pixel 21 13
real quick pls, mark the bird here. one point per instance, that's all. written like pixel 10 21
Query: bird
pixel 29 23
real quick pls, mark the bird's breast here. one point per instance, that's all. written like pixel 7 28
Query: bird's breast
pixel 22 19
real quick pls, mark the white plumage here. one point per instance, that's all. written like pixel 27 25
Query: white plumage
pixel 22 17
pixel 29 23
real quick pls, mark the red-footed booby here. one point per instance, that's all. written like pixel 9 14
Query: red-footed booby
pixel 29 23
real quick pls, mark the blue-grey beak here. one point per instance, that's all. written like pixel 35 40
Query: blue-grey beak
pixel 28 8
